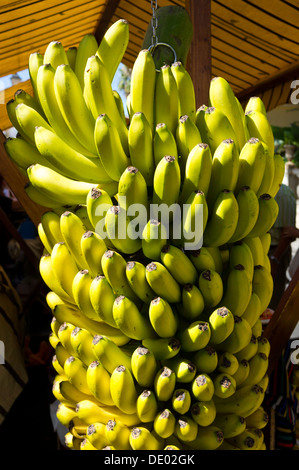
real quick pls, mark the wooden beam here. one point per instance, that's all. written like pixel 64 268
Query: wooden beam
pixel 199 62
pixel 105 18
pixel 16 181
pixel 283 322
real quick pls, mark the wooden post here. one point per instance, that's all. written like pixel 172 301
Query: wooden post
pixel 199 62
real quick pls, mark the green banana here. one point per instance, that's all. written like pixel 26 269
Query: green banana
pixel 267 214
pixel 92 247
pixel 123 390
pixel 279 171
pixel 203 387
pixel 186 93
pixel 195 219
pixel 132 189
pixel 211 286
pixel 164 143
pixel 86 48
pixel 24 154
pixel 27 119
pixel 164 384
pixel 209 438
pixel 187 137
pixel 252 165
pixel 231 424
pixel 241 402
pixel 268 176
pixel 258 366
pixel 227 363
pixel 120 230
pixel 144 366
pixel 136 275
pixel 181 401
pixel 218 127
pixel 164 423
pixel 109 146
pixel 72 105
pixel 140 143
pixel 21 96
pixel 102 299
pixel 224 385
pixel 166 181
pixel 237 291
pixel 55 54
pixel 240 253
pixel 154 237
pixel 255 103
pixel 36 59
pixel 264 345
pixel 221 96
pixel 99 96
pixel 109 354
pixel 247 440
pixel 221 323
pixel 249 206
pixel 259 127
pixel 130 320
pixel 206 359
pixel 178 264
pixel 71 54
pixel 162 348
pixel 143 81
pixel 166 99
pixel 239 337
pixel 203 259
pixel 162 282
pixel 203 412
pixel 162 317
pixel 198 171
pixel 113 45
pixel 253 310
pixel 256 247
pixel 242 372
pixel 186 429
pixel 98 201
pixel 194 336
pixel 147 406
pixel 262 285
pixel 183 368
pixel 201 123
pixel 223 220
pixel 259 419
pixel 55 186
pixel 192 302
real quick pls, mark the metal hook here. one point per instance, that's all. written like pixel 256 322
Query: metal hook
pixel 152 47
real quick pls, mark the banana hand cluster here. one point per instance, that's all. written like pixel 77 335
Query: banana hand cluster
pixel 156 325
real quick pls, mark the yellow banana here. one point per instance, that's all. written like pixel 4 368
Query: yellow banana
pixel 181 401
pixel 164 423
pixel 203 387
pixel 98 201
pixel 57 367
pixel 162 317
pixel 81 211
pixel 267 214
pixel 198 171
pixel 237 291
pixel 109 354
pixel 87 47
pixel 203 259
pixel 58 187
pixel 24 154
pixel 164 384
pixel 231 424
pixel 98 381
pixel 118 435
pixel 162 348
pixel 142 438
pixel 195 219
pixel 255 103
pixel 186 93
pixel 114 269
pixel 221 96
pixel 262 285
pixel 85 444
pixel 67 160
pixel 192 302
pixel 183 368
pixel 65 414
pixel 259 127
pixel 136 275
pixel 144 366
pixel 166 181
pixel 252 164
pixel 51 233
pixel 249 206
pixel 223 220
pixel 162 282
pixel 221 323
pixel 36 59
pixel 203 412
pixel 113 45
pixel 147 406
pixel 71 54
pixel 64 267
pixel 73 229
pixel 120 229
pixel 240 402
pixel 55 54
pixel 206 359
pixel 259 419
pixel 140 138
pixel 258 366
pixel 164 142
pixel 123 390
pixel 99 96
pixel 242 372
pixel 268 176
pixel 253 310
pixel 75 370
pixel 264 345
pixel 207 438
pixel 178 264
pixel 64 336
pixel 248 351
pixel 42 199
pixel 92 247
pixel 194 336
pixel 132 189
pixel 224 385
pixel 279 171
pixel 96 435
pixel 50 279
pixel 102 298
pixel 247 440
pixel 109 146
pixel 154 237
pixel 21 96
pixel 130 320
pixel 240 253
pixel 187 137
pixel 186 429
pixel 143 80
pixel 72 105
pixel 166 98
pixel 224 172
pixel 211 286
pixel 89 412
pixel 218 128
pixel 228 363
pixel 72 393
pixel 201 123
pixel 81 341
pixel 256 247
pixel 239 337
pixel 27 119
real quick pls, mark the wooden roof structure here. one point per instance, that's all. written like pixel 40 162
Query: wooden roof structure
pixel 253 44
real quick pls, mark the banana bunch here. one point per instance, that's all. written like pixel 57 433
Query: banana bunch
pixel 156 328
